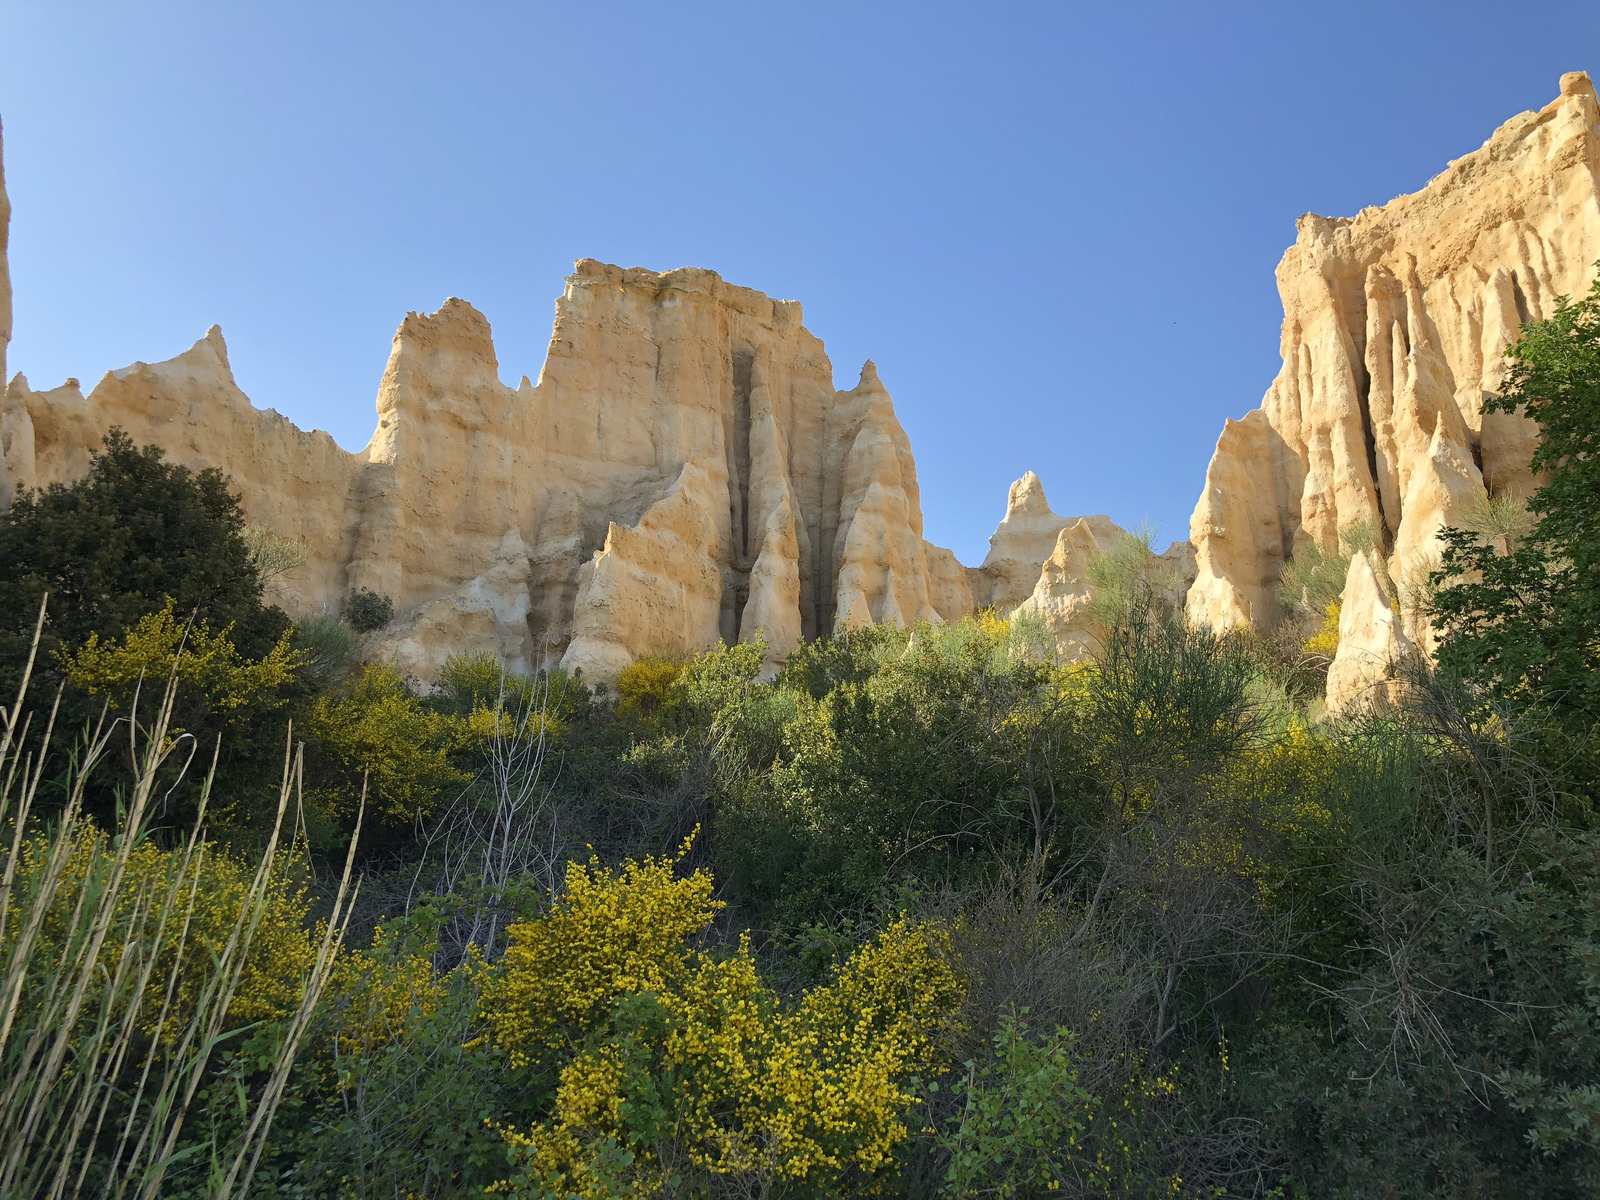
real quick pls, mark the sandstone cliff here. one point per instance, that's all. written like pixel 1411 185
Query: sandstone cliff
pixel 682 472
pixel 1367 671
pixel 1395 324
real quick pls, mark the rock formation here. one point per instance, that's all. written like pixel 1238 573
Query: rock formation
pixel 1395 324
pixel 683 471
pixel 1024 539
pixel 1038 563
pixel 1372 644
pixel 1063 596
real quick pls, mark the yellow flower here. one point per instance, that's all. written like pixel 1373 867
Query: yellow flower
pixel 740 1082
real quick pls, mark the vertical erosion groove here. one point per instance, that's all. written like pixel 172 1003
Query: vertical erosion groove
pixel 1352 299
pixel 739 482
pixel 739 458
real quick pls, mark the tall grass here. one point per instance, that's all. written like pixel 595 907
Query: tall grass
pixel 112 1007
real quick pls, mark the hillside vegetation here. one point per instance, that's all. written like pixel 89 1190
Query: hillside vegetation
pixel 930 914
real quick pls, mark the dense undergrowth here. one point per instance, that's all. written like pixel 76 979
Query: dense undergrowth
pixel 928 914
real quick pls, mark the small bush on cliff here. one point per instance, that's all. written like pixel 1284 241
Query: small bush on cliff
pixel 367 610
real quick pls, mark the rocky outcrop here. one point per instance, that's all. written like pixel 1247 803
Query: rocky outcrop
pixel 1018 548
pixel 682 472
pixel 1366 672
pixel 1039 564
pixel 1063 597
pixel 1395 325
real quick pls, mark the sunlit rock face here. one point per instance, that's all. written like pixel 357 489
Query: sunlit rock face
pixel 683 473
pixel 1368 671
pixel 1395 326
pixel 1040 564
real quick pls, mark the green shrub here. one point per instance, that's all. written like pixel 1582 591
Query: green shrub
pixel 366 610
pixel 132 534
pixel 329 648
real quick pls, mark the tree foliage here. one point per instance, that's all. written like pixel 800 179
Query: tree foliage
pixel 132 534
pixel 1522 617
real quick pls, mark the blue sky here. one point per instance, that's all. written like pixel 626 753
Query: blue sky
pixel 1053 226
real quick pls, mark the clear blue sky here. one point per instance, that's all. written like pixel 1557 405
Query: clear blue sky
pixel 1053 226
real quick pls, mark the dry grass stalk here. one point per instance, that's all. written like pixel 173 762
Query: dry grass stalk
pixel 87 1027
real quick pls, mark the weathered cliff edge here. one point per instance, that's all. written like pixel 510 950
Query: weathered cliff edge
pixel 1395 324
pixel 683 471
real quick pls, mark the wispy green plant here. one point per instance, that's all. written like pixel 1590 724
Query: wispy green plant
pixel 330 648
pixel 1313 579
pixel 1129 574
pixel 273 556
pixel 1501 520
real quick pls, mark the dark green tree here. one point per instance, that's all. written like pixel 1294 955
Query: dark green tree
pixel 135 532
pixel 115 545
pixel 1522 618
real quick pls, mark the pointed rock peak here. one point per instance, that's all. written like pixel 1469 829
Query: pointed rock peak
pixel 206 360
pixel 869 378
pixel 1576 83
pixel 456 328
pixel 218 346
pixel 1027 496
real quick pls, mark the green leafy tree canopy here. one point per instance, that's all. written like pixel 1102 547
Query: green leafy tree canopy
pixel 117 544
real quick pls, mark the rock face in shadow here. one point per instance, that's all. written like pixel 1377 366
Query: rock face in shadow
pixel 683 472
pixel 1395 325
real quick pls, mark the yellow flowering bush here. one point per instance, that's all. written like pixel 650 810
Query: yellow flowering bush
pixel 676 1064
pixel 206 899
pixel 1289 780
pixel 1324 643
pixel 488 721
pixel 610 935
pixel 375 727
pixel 209 668
pixel 645 686
pixel 380 994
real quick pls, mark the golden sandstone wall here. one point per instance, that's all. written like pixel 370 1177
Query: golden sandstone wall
pixel 1395 323
pixel 684 470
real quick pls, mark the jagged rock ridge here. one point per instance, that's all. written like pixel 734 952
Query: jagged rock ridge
pixel 683 471
pixel 1395 324
pixel 1039 563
